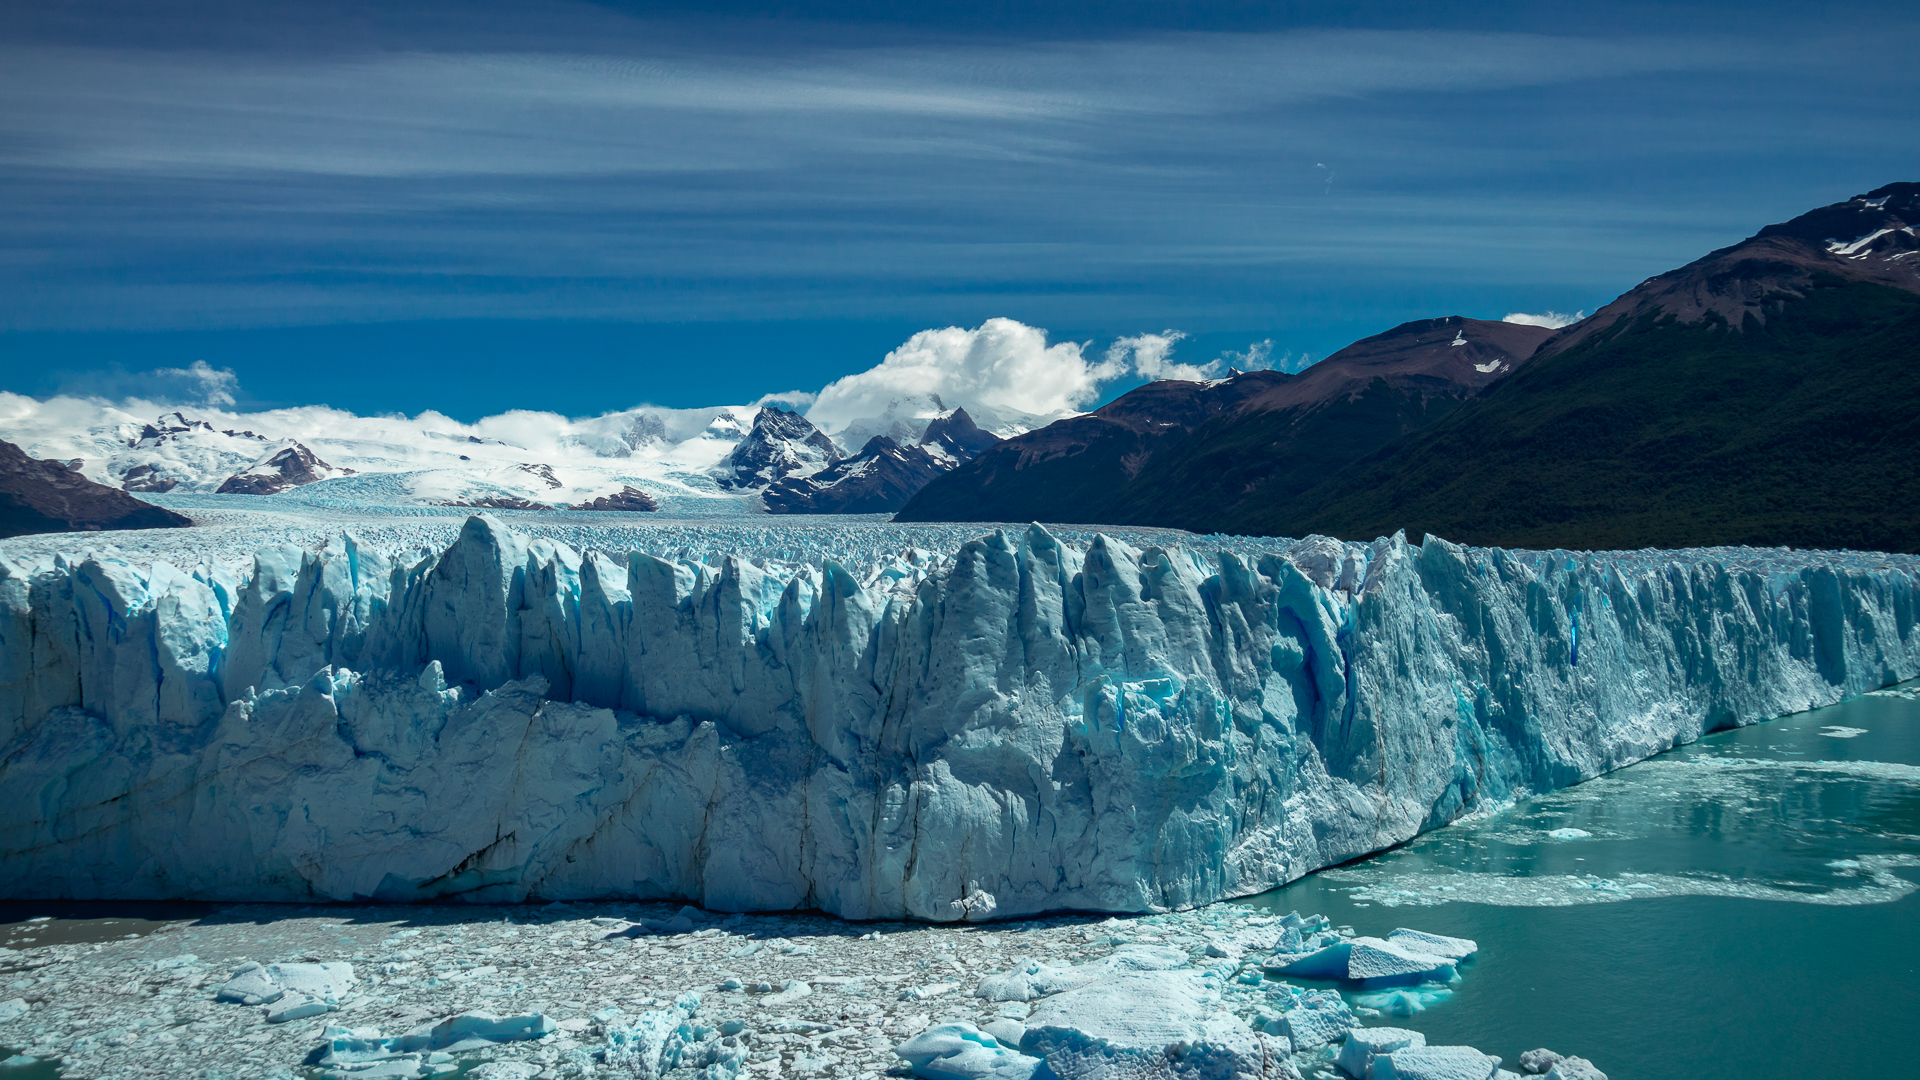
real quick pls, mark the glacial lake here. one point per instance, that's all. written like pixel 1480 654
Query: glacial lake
pixel 1742 907
pixel 1739 908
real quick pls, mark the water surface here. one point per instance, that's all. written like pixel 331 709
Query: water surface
pixel 1739 908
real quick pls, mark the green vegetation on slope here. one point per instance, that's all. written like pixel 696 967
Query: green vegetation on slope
pixel 1802 431
pixel 1226 476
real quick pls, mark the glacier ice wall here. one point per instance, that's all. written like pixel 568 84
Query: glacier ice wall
pixel 1017 726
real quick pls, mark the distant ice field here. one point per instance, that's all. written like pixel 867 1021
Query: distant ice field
pixel 228 529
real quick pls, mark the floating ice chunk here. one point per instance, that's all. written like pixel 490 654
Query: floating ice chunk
pixel 1835 731
pixel 960 1051
pixel 791 990
pixel 355 1051
pixel 1137 1010
pixel 1006 1030
pixel 1363 1044
pixel 13 1010
pixel 1574 1068
pixel 1568 834
pixel 250 985
pixel 931 990
pixel 505 1070
pixel 1435 1063
pixel 296 1007
pixel 1538 1061
pixel 1453 948
pixel 289 991
pixel 1317 1018
pixel 19 1061
pixel 1372 962
pixel 399 1067
pixel 1138 1023
pixel 1032 979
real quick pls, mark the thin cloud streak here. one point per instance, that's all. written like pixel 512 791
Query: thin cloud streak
pixel 429 114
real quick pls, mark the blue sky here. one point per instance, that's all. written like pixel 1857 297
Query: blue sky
pixel 581 207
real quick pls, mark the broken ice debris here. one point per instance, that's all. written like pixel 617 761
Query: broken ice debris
pixel 1318 1017
pixel 1032 979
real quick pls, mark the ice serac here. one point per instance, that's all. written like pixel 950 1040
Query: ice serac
pixel 1017 726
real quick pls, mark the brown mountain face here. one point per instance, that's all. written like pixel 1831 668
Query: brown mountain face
pixel 1763 394
pixel 1873 237
pixel 1072 469
pixel 48 496
pixel 1194 454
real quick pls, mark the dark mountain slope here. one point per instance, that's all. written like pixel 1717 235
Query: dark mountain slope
pixel 1192 454
pixel 1072 469
pixel 1765 394
pixel 47 496
pixel 1292 438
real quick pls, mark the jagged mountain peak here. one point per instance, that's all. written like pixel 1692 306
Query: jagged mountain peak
pixel 780 444
pixel 957 435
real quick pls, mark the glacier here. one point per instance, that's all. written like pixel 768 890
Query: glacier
pixel 1020 724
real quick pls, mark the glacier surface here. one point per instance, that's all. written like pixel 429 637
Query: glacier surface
pixel 1023 722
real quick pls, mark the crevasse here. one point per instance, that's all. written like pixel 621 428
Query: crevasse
pixel 1015 727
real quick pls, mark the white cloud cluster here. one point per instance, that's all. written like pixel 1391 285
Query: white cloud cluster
pixel 1002 364
pixel 1148 354
pixel 1552 320
pixel 203 383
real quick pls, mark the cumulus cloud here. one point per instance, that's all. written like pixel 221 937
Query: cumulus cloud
pixel 1149 354
pixel 1001 364
pixel 202 382
pixel 198 384
pixel 1552 320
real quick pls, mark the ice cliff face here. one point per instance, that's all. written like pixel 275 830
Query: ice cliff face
pixel 1016 727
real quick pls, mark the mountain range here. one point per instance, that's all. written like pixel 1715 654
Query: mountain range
pixel 1763 395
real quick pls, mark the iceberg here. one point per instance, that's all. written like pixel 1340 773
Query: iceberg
pixel 1014 725
pixel 1363 1045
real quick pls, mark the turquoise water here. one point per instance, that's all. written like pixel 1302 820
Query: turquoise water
pixel 1742 907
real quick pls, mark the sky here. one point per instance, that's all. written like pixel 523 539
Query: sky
pixel 581 207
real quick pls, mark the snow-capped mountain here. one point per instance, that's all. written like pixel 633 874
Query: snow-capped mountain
pixel 884 474
pixel 906 420
pixel 878 480
pixel 327 454
pixel 285 468
pixel 780 444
